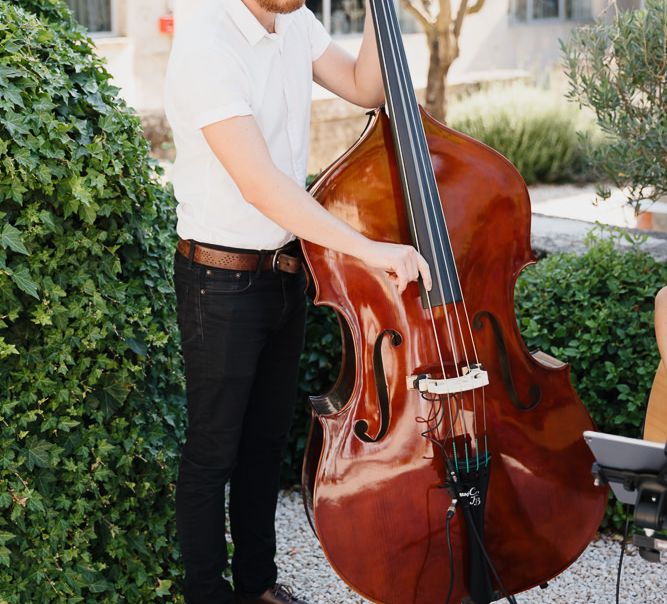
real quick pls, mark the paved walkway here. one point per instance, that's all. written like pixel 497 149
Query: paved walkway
pixel 578 202
pixel 564 214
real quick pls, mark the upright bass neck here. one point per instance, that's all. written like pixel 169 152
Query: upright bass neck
pixel 420 190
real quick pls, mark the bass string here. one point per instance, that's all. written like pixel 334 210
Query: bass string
pixel 430 201
pixel 400 69
pixel 421 157
pixel 378 13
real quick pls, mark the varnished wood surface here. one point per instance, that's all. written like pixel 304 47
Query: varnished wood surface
pixel 378 508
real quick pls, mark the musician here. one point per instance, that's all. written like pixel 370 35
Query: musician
pixel 238 99
pixel 660 319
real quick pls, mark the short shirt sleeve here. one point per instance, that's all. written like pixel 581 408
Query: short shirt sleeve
pixel 319 37
pixel 214 87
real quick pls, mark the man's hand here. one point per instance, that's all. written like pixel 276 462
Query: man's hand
pixel 402 262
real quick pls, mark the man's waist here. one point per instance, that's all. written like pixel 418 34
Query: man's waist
pixel 284 259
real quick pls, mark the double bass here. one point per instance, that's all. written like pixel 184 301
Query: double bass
pixel 447 462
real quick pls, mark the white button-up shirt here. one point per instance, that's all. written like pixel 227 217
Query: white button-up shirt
pixel 223 64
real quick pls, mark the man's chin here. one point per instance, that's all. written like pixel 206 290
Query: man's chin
pixel 281 6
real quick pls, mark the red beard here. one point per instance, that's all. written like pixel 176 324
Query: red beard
pixel 280 6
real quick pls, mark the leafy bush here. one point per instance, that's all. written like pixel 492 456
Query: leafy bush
pixel 533 128
pixel 595 312
pixel 91 386
pixel 618 70
pixel 318 371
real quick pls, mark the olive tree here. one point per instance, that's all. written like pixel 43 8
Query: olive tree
pixel 619 69
pixel 442 23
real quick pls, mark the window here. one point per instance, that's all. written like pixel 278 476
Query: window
pixel 342 17
pixel 96 15
pixel 630 4
pixel 538 10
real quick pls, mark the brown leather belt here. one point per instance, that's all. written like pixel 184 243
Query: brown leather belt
pixel 275 260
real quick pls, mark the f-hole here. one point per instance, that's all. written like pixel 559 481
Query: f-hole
pixel 361 426
pixel 534 391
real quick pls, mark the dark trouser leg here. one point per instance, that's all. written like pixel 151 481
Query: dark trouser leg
pixel 255 481
pixel 220 349
pixel 226 331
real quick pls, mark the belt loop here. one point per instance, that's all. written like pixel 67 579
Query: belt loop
pixel 260 263
pixel 191 252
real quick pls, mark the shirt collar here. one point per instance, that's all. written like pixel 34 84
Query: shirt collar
pixel 248 24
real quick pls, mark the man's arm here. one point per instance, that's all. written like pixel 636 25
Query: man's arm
pixel 661 322
pixel 358 81
pixel 239 145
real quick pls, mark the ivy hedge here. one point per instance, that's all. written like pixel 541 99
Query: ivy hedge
pixel 92 411
pixel 90 381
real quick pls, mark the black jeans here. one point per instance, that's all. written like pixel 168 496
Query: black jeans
pixel 242 334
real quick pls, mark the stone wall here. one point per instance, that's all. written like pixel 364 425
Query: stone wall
pixel 337 124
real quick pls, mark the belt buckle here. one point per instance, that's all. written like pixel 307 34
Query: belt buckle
pixel 275 260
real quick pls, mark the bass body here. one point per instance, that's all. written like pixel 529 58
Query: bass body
pixel 374 477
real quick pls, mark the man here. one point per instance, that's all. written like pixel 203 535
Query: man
pixel 660 320
pixel 238 99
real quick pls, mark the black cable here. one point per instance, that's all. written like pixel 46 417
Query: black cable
pixel 623 544
pixel 448 519
pixel 508 596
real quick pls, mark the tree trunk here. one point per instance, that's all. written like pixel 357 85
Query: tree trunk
pixel 440 60
pixel 442 36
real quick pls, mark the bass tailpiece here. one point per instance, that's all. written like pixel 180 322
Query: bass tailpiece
pixel 470 489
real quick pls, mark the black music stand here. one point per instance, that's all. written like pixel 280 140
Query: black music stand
pixel 636 471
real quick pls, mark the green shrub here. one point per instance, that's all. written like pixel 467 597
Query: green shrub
pixel 90 379
pixel 595 311
pixel 618 70
pixel 318 371
pixel 533 128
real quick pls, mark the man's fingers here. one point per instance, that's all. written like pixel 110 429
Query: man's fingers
pixel 401 284
pixel 406 265
pixel 425 272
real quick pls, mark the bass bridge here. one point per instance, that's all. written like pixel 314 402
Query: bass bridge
pixel 472 376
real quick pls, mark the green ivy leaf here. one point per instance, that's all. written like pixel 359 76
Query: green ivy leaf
pixel 38 453
pixel 24 282
pixel 11 238
pixel 4 555
pixel 137 346
pixel 164 587
pixel 99 586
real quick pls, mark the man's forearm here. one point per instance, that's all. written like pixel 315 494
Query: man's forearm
pixel 661 322
pixel 279 198
pixel 239 145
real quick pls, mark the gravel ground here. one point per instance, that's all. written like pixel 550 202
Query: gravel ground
pixel 591 579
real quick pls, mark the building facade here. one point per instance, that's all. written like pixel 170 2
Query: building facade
pixel 506 39
pixel 504 35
